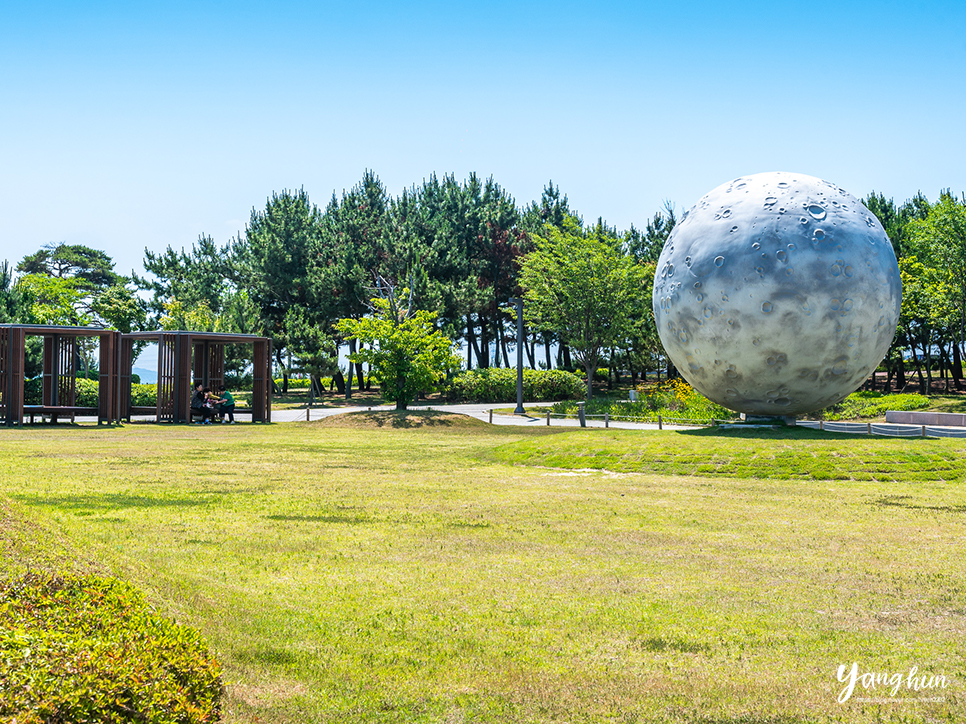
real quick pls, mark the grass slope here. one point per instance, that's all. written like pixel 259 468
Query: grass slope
pixel 435 574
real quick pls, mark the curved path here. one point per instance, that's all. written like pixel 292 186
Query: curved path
pixel 479 411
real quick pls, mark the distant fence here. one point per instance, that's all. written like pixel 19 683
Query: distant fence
pixel 887 429
pixel 585 420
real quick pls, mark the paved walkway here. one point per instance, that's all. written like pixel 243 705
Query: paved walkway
pixel 482 412
pixel 479 411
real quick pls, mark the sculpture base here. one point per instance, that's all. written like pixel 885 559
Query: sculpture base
pixel 787 420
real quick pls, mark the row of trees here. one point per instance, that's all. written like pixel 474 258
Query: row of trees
pixel 457 247
pixel 929 239
pixel 460 250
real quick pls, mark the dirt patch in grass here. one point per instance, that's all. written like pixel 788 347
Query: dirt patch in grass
pixel 400 419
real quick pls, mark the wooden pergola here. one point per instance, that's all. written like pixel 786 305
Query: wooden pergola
pixel 59 372
pixel 185 358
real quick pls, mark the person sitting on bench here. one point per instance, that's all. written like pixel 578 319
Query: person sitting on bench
pixel 199 405
pixel 225 404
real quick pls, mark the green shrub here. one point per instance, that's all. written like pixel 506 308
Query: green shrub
pixel 871 404
pixel 33 391
pixel 674 400
pixel 86 392
pixel 295 383
pixel 600 374
pixel 87 649
pixel 500 385
pixel 144 395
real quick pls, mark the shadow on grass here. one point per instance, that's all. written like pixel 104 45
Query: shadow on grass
pixel 906 501
pixel 779 432
pixel 660 643
pixel 760 719
pixel 87 504
pixel 347 519
pixel 401 419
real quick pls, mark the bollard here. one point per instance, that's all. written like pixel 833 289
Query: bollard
pixel 491 416
pixel 581 414
pixel 606 419
pixel 306 414
pixel 548 418
pixel 821 424
pixel 923 430
pixel 660 424
pixel 868 428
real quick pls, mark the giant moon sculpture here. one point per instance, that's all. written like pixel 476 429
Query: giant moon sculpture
pixel 777 294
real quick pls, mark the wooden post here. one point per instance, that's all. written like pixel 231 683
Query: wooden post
pixel 606 419
pixel 660 423
pixel 868 428
pixel 581 414
pixel 548 418
pixel 491 415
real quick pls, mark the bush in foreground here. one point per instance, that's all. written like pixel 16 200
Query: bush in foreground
pixel 500 385
pixel 88 649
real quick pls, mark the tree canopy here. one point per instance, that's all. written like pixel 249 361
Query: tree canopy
pixel 580 285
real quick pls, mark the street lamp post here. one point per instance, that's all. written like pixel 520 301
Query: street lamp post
pixel 518 301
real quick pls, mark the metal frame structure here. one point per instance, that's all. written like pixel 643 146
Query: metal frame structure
pixel 59 372
pixel 186 357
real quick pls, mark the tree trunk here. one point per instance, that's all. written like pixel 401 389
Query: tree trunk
pixel 470 343
pixel 348 380
pixel 546 350
pixel 499 329
pixel 957 365
pixel 339 382
pixel 672 371
pixel 483 355
pixel 944 367
pixel 281 364
pixel 531 349
pixel 901 374
pixel 918 362
pixel 565 350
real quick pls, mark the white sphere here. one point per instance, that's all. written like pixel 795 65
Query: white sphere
pixel 777 294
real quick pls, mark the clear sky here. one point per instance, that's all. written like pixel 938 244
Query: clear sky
pixel 133 125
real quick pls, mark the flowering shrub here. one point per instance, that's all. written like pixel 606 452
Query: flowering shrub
pixel 674 399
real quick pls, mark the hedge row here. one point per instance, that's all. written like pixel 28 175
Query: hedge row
pixel 500 385
pixel 88 649
pixel 86 393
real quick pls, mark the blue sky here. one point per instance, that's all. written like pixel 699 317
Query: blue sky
pixel 125 127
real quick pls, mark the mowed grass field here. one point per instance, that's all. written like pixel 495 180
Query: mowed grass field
pixel 462 573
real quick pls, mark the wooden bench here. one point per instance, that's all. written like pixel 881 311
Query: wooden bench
pixel 56 411
pixel 152 410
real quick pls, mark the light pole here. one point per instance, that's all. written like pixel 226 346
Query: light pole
pixel 520 342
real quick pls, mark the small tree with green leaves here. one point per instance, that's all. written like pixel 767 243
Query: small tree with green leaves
pixel 581 286
pixel 406 352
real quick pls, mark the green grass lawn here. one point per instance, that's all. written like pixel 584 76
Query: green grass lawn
pixel 476 574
